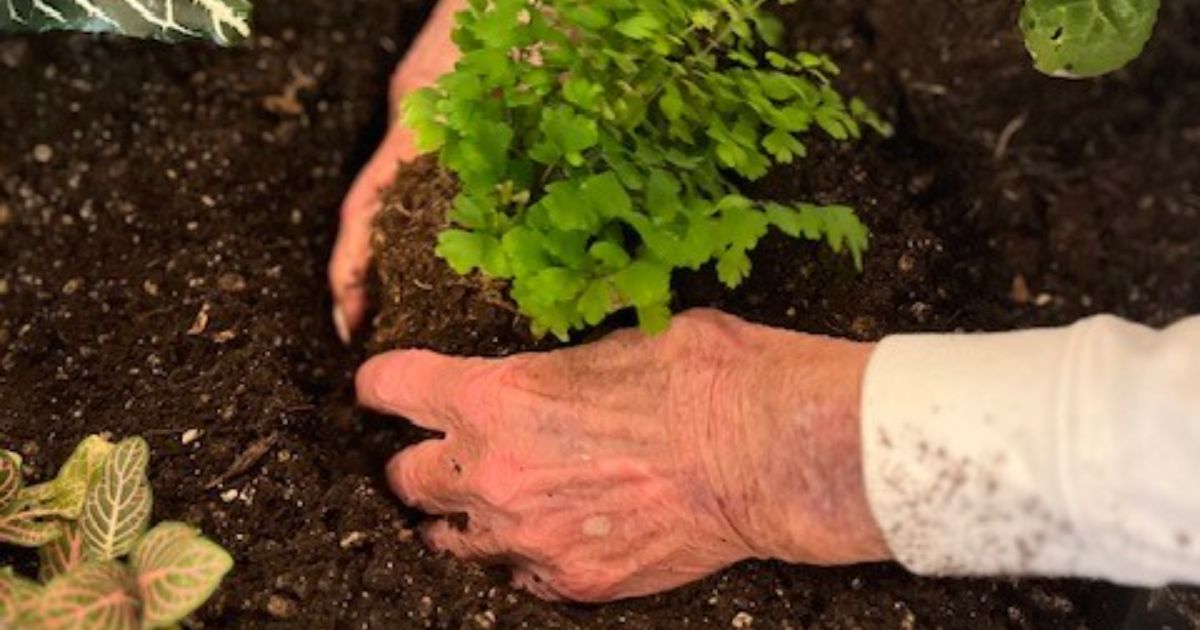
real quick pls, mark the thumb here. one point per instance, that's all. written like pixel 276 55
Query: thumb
pixel 352 252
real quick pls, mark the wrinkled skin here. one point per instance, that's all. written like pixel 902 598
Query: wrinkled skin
pixel 626 467
pixel 637 464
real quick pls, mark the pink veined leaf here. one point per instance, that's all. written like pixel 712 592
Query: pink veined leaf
pixel 16 594
pixel 29 528
pixel 95 596
pixel 177 570
pixel 62 555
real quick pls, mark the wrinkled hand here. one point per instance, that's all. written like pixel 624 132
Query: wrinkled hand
pixel 431 55
pixel 636 464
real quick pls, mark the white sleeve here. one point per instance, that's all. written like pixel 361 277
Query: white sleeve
pixel 1063 452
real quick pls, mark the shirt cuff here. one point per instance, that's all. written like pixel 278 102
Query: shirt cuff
pixel 962 453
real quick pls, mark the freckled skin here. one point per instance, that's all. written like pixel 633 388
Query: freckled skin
pixel 637 464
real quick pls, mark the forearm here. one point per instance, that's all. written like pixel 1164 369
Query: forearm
pixel 1053 452
pixel 790 456
pixel 840 528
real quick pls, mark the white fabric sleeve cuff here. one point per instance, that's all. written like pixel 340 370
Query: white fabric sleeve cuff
pixel 1048 452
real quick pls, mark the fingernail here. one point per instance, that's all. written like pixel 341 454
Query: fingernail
pixel 339 324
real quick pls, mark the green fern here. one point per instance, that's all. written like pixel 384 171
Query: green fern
pixel 599 144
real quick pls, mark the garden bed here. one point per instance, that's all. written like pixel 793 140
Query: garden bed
pixel 166 215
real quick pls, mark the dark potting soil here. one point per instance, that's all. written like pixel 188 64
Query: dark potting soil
pixel 166 214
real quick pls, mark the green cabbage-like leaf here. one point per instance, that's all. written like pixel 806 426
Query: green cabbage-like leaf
pixel 117 509
pixel 177 570
pixel 16 595
pixel 1086 38
pixel 10 477
pixel 96 596
pixel 222 21
pixel 61 555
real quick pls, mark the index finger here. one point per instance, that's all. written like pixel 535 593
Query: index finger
pixel 423 386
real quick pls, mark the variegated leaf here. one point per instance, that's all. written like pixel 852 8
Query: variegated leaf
pixel 86 462
pixel 16 594
pixel 63 496
pixel 29 528
pixel 69 488
pixel 117 509
pixel 177 570
pixel 62 554
pixel 222 21
pixel 95 596
pixel 10 477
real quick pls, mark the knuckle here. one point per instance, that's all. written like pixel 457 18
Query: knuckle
pixel 366 381
pixel 527 542
pixel 476 388
pixel 495 485
pixel 410 484
pixel 478 393
pixel 585 586
pixel 705 331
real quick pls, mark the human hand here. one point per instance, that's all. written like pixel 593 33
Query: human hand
pixel 431 55
pixel 637 464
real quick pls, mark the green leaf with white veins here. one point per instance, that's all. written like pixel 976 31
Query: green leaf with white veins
pixel 177 570
pixel 64 495
pixel 225 22
pixel 117 509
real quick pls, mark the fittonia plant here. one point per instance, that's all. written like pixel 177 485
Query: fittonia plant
pixel 1086 38
pixel 99 567
pixel 222 21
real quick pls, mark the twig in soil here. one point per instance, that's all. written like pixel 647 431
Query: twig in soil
pixel 1007 134
pixel 246 460
pixel 288 102
pixel 929 88
pixel 501 304
pixel 201 321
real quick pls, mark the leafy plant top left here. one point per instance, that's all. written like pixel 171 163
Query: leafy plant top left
pixel 222 21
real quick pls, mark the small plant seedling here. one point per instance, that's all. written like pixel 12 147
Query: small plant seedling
pixel 598 146
pixel 222 21
pixel 99 567
pixel 1074 38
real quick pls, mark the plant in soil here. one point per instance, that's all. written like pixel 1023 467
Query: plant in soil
pixel 222 21
pixel 99 567
pixel 598 146
pixel 1087 39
